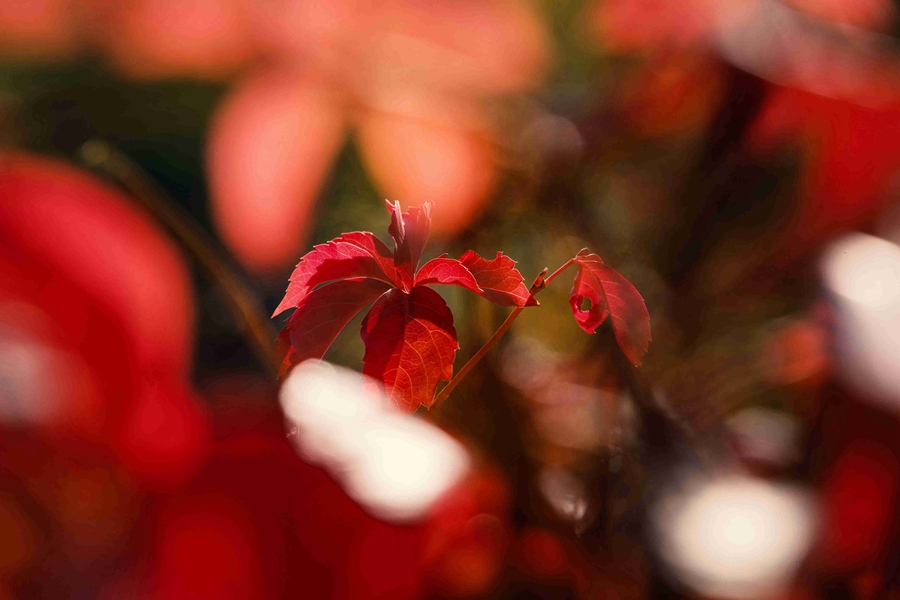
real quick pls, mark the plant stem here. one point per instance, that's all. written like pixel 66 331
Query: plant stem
pixel 244 305
pixel 540 282
pixel 549 279
pixel 476 357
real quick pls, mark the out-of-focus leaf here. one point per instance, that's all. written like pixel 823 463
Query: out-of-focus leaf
pixel 271 143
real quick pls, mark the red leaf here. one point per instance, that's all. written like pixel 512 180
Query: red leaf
pixel 379 251
pixel 358 254
pixel 321 316
pixel 410 232
pixel 500 281
pixel 610 294
pixel 447 271
pixel 410 345
pixel 285 350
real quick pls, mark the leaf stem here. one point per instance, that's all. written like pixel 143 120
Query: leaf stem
pixel 549 279
pixel 476 357
pixel 540 282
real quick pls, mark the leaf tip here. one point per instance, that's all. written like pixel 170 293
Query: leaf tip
pixel 280 309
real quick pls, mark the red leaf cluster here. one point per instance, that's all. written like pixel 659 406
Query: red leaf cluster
pixel 409 335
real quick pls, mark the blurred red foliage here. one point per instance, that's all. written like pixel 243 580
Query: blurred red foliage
pixel 851 161
pixel 838 105
pixel 413 79
pixel 96 315
pixel 373 68
pixel 110 296
pixel 109 456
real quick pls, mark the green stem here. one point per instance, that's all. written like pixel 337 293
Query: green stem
pixel 540 283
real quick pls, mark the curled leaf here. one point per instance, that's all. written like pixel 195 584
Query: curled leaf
pixel 600 291
pixel 410 232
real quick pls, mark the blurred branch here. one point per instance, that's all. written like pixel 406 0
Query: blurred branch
pixel 704 199
pixel 245 307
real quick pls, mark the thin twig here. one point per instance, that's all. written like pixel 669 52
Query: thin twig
pixel 550 279
pixel 539 283
pixel 245 307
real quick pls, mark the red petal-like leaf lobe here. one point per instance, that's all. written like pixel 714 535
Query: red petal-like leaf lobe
pixel 379 251
pixel 358 254
pixel 410 345
pixel 447 271
pixel 321 316
pixel 501 282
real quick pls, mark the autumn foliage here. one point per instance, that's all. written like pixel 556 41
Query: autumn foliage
pixel 408 333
